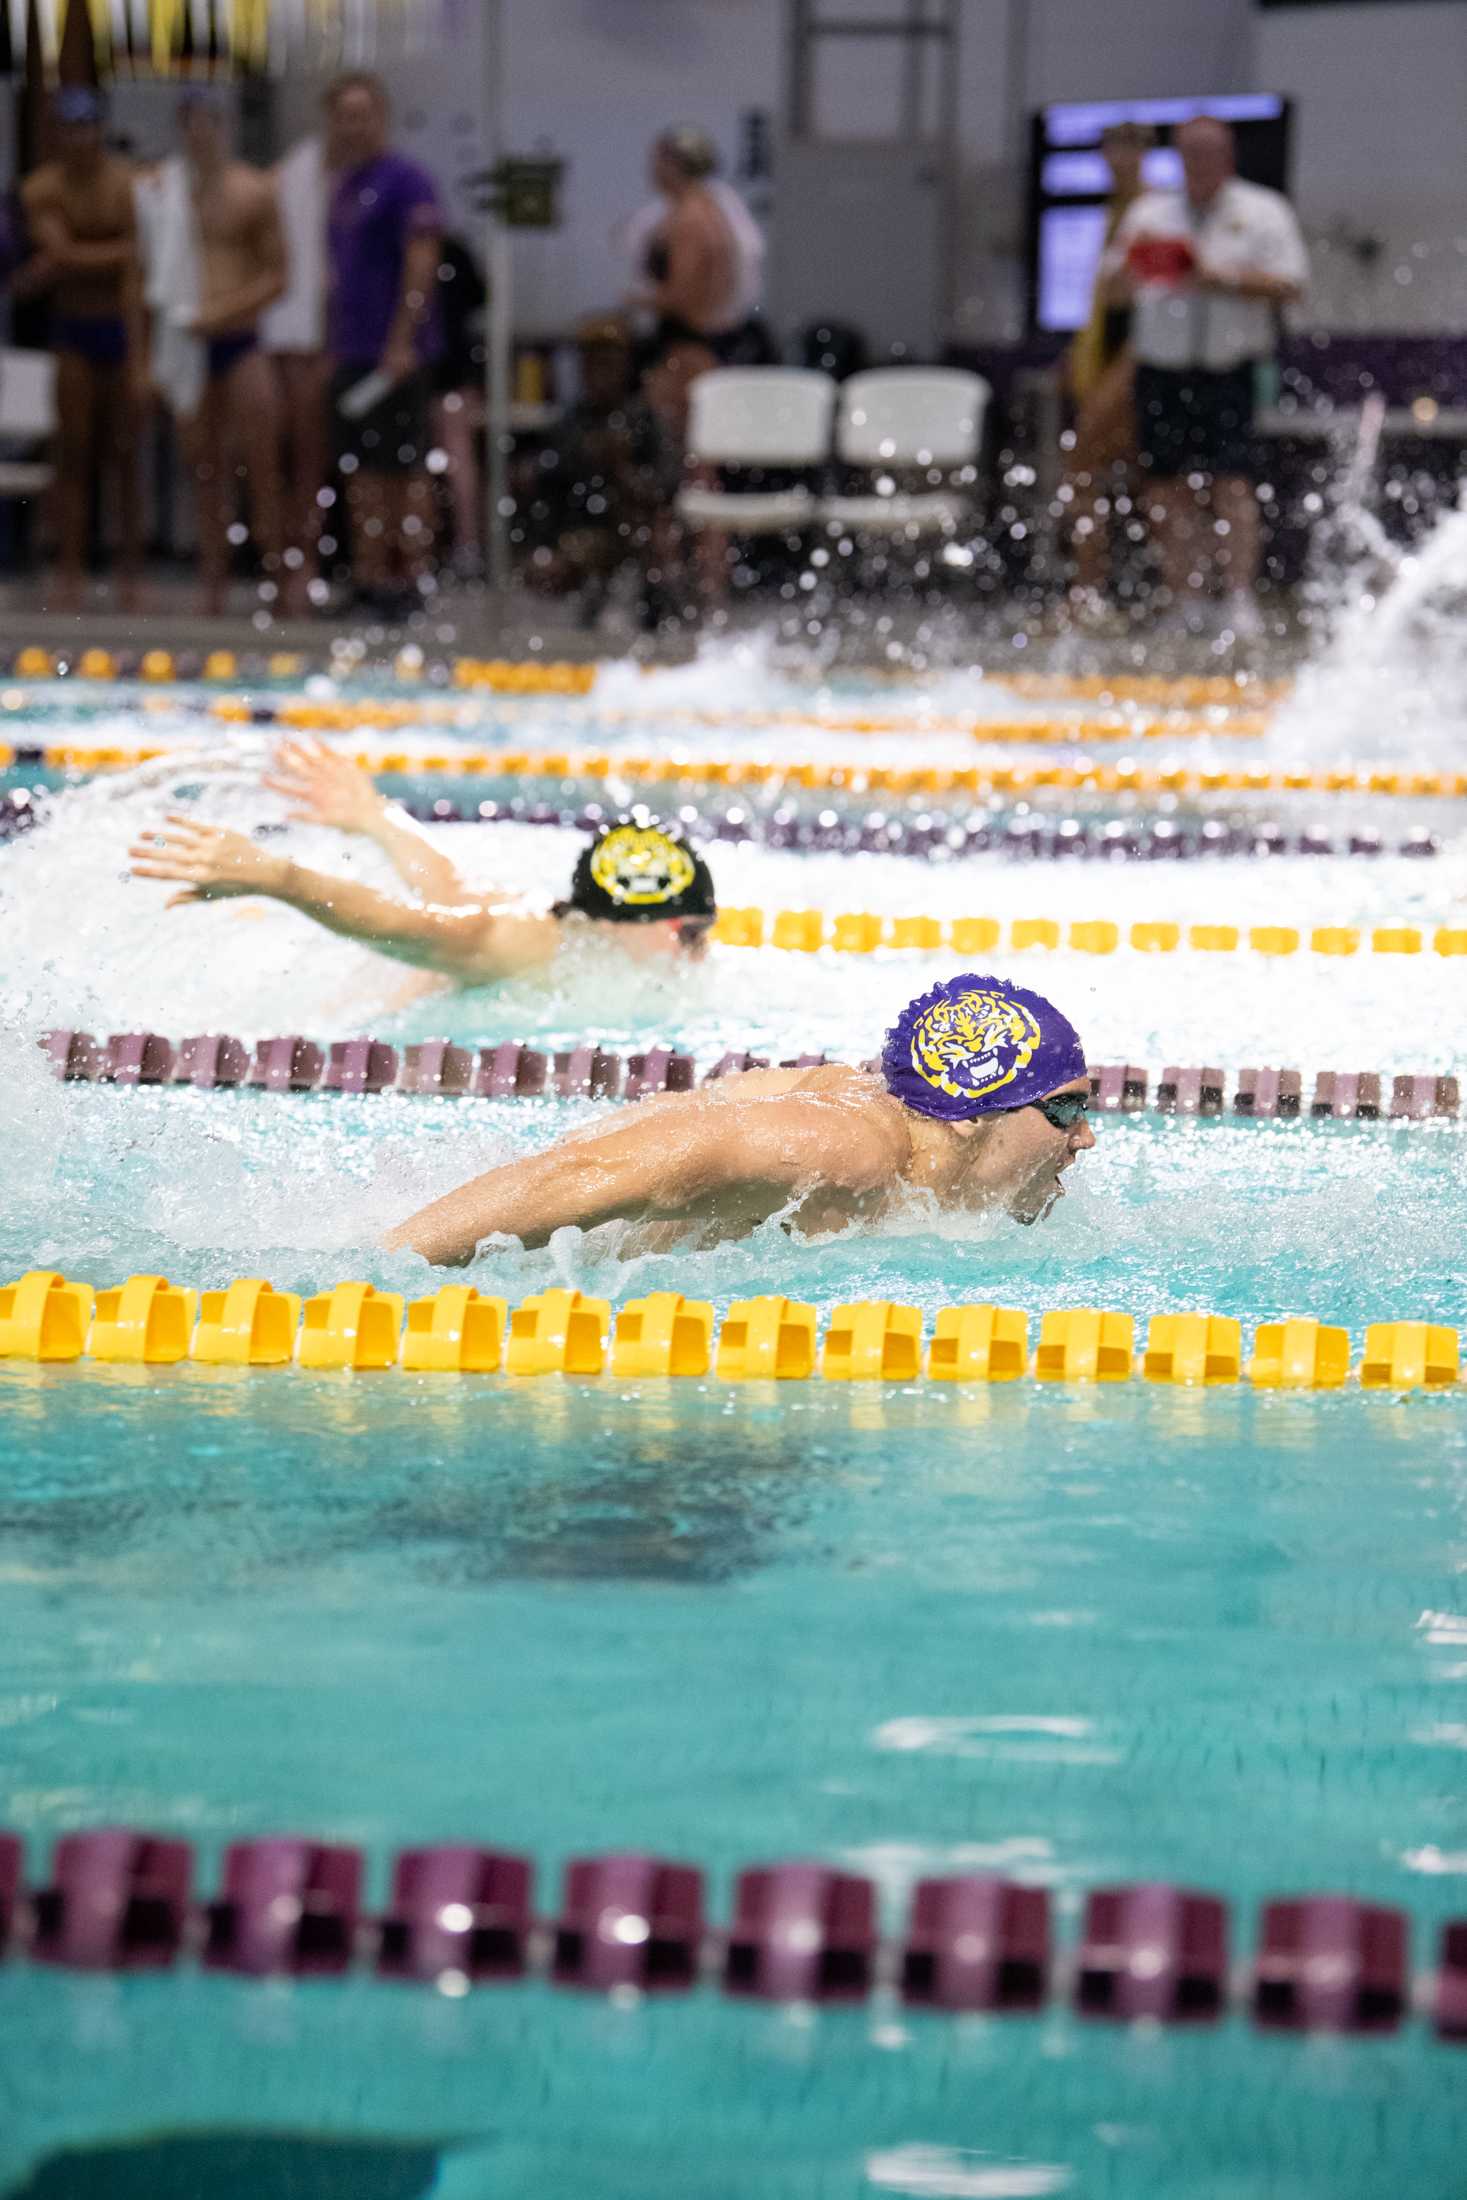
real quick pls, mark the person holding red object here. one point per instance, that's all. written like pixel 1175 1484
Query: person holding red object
pixel 1206 271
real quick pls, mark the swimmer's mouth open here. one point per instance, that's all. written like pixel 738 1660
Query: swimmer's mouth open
pixel 1048 1194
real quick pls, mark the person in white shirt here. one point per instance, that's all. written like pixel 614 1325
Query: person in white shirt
pixel 1206 271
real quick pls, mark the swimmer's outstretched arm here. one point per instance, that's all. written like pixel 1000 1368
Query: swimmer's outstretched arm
pixel 327 788
pixel 657 1162
pixel 468 941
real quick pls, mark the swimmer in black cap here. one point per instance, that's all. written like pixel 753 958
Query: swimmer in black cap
pixel 980 1102
pixel 638 884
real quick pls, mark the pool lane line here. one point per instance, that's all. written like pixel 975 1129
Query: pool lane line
pixel 458 1917
pixel 535 676
pixel 509 1070
pixel 148 1321
pixel 944 836
pixel 602 767
pixel 858 932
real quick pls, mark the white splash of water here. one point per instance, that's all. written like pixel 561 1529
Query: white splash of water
pixel 1393 684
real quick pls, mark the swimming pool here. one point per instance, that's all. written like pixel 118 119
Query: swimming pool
pixel 1074 1635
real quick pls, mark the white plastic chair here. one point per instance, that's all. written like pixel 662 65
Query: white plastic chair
pixel 27 420
pixel 897 419
pixel 757 416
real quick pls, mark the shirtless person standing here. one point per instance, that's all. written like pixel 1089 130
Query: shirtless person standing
pixel 979 1103
pixel 79 208
pixel 241 271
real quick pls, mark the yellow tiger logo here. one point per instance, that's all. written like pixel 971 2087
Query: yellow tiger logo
pixel 641 867
pixel 973 1045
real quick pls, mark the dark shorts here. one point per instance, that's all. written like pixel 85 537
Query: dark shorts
pixel 393 437
pixel 747 345
pixel 100 339
pixel 224 353
pixel 1193 421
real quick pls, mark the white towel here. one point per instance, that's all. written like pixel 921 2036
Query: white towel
pixel 297 320
pixel 173 294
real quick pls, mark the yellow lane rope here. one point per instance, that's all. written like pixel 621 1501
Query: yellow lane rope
pixel 147 1320
pixel 1121 778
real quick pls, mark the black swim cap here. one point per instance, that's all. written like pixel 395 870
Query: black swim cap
pixel 639 871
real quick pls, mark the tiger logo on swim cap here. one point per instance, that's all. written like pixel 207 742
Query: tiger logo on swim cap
pixel 973 1044
pixel 640 867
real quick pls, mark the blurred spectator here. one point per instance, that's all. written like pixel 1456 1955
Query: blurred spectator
pixel 384 244
pixel 79 213
pixel 1101 371
pixel 1207 271
pixel 219 261
pixel 600 498
pixel 700 257
pixel 458 411
pixel 293 332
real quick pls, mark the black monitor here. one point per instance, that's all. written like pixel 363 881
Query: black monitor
pixel 1069 183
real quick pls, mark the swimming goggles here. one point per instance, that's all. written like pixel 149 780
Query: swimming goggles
pixel 1062 1109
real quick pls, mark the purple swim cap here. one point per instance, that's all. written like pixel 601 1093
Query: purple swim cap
pixel 975 1046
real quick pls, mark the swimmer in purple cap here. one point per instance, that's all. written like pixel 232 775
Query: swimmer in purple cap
pixel 979 1103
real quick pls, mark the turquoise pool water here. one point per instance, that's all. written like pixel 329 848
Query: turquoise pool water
pixel 1074 1636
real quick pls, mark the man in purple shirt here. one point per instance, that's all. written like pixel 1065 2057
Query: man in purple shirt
pixel 384 239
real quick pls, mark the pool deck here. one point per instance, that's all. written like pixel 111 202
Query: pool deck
pixel 477 621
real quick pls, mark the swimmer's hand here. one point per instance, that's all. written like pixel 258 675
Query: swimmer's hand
pixel 325 788
pixel 208 861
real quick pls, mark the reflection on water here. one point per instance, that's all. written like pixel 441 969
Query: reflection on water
pixel 235 2165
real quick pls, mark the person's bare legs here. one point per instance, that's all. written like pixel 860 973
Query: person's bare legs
pixel 414 529
pixel 303 383
pixel 369 502
pixel 1235 504
pixel 252 439
pixel 456 418
pixel 1178 516
pixel 122 416
pixel 1105 437
pixel 76 418
pixel 209 458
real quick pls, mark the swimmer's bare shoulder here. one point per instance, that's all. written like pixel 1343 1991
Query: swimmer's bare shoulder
pixel 839 1125
pixel 736 1150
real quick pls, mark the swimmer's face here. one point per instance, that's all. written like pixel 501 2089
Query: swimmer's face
pixel 1020 1161
pixel 79 144
pixel 201 127
pixel 675 938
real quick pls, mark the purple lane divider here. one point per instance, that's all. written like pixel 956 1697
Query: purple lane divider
pixel 212 1060
pixel 138 1058
pixel 730 1065
pixel 437 1066
pixel 118 1901
pixel 461 1910
pixel 12 1879
pixel 293 1064
pixel 586 1073
pixel 74 1054
pixel 1416 1099
pixel 1268 1092
pixel 1330 1964
pixel 286 1906
pixel 1346 1093
pixel 629 1921
pixel 1119 1088
pixel 1449 2001
pixel 1190 1091
pixel 801 1932
pixel 976 1944
pixel 498 1072
pixel 360 1065
pixel 1152 1951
